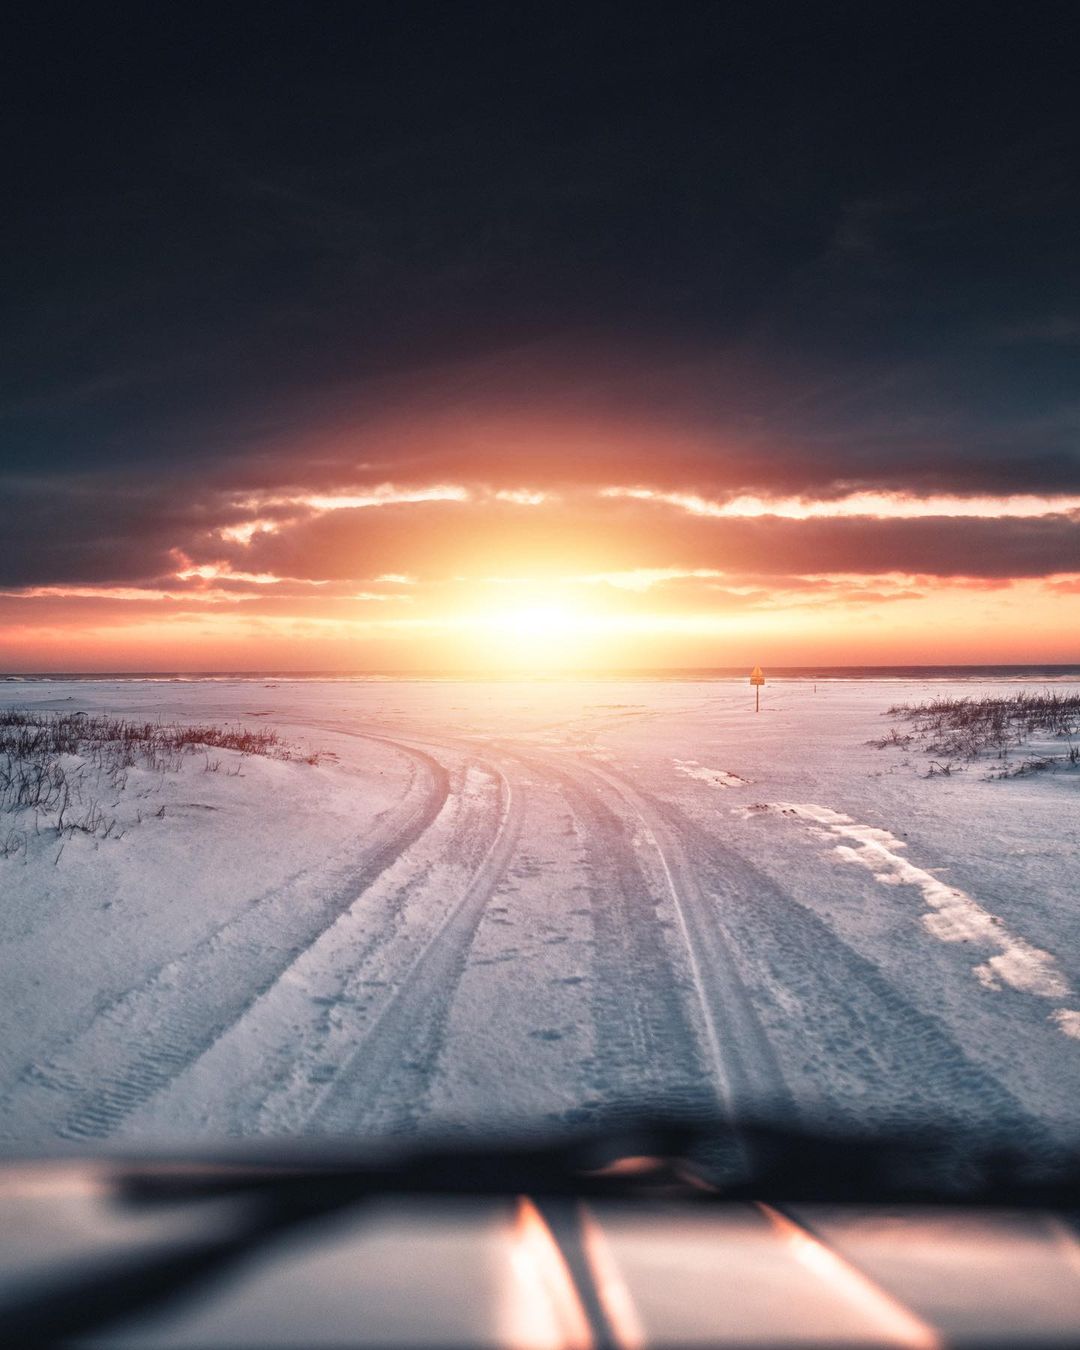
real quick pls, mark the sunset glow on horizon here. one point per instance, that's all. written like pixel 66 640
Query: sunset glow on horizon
pixel 562 575
pixel 656 368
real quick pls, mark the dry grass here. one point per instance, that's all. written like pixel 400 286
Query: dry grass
pixel 958 730
pixel 69 768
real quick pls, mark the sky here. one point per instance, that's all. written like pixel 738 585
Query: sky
pixel 539 336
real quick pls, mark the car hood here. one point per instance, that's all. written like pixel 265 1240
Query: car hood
pixel 524 1272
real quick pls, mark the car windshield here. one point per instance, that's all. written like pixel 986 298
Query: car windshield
pixel 365 907
pixel 539 581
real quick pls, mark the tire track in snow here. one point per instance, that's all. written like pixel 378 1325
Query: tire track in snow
pixel 152 1033
pixel 649 1050
pixel 382 1083
pixel 738 1058
pixel 851 1045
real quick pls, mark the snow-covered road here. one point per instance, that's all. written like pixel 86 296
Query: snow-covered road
pixel 531 903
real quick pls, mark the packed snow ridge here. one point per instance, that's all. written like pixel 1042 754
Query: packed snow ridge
pixel 714 777
pixel 956 916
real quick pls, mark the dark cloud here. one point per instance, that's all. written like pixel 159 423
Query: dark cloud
pixel 258 252
pixel 97 529
pixel 136 529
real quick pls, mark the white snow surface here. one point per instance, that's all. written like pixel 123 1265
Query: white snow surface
pixel 956 917
pixel 714 777
pixel 526 903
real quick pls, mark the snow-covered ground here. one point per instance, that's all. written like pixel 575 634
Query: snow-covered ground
pixel 514 902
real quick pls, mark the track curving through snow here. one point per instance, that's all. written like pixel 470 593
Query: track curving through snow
pixel 87 1084
pixel 851 1046
pixel 738 1056
pixel 382 1083
pixel 706 984
pixel 674 1026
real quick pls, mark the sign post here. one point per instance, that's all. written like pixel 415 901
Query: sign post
pixel 757 679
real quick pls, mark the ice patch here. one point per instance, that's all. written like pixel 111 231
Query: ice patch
pixel 714 777
pixel 955 917
pixel 1068 1021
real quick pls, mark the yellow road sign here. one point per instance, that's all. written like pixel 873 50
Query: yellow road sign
pixel 756 676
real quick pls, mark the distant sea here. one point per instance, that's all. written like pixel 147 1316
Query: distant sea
pixel 819 673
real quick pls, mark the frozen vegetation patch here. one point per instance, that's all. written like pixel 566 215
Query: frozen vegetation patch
pixel 66 773
pixel 1023 733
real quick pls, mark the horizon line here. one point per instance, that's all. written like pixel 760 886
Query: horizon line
pixel 269 672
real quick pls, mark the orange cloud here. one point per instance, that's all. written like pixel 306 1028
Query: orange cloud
pixel 872 505
pixel 508 569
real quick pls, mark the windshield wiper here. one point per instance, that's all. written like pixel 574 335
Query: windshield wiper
pixel 694 1160
pixel 278 1190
